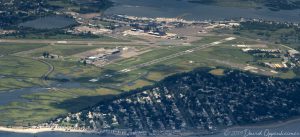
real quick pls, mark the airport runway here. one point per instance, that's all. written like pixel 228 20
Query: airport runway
pixel 189 51
pixel 72 42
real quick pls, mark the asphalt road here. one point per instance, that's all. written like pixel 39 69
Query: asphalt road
pixel 50 69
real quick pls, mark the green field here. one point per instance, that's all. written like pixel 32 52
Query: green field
pixel 18 72
pixel 272 33
pixel 57 101
pixel 62 50
pixel 46 105
pixel 7 48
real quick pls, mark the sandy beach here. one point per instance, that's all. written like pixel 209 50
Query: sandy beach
pixel 34 130
pixel 39 130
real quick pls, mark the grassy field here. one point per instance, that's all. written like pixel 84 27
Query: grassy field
pixel 67 51
pixel 180 64
pixel 58 36
pixel 7 48
pixel 204 58
pixel 62 50
pixel 136 84
pixel 224 52
pixel 18 72
pixel 22 67
pixel 43 106
pixel 17 83
pixel 46 105
pixel 73 69
pixel 276 34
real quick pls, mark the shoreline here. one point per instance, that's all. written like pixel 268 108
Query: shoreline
pixel 70 130
pixel 269 124
pixel 41 130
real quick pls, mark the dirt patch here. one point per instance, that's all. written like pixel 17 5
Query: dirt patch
pixel 218 72
pixel 90 53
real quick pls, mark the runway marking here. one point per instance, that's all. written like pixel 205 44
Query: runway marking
pixel 155 61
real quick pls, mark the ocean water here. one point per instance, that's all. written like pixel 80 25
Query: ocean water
pixel 194 11
pixel 49 22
